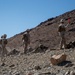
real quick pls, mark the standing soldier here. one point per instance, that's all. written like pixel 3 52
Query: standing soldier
pixel 62 31
pixel 26 40
pixel 4 42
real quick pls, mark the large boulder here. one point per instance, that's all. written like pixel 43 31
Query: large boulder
pixel 40 48
pixel 70 45
pixel 56 59
pixel 14 52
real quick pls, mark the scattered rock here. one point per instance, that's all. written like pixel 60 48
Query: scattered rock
pixel 40 48
pixel 15 72
pixel 47 73
pixel 67 73
pixel 36 73
pixel 29 50
pixel 71 45
pixel 60 74
pixel 12 65
pixel 29 73
pixel 14 52
pixel 37 68
pixel 3 64
pixel 72 73
pixel 69 65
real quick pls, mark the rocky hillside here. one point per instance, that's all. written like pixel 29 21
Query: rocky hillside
pixel 18 63
pixel 46 32
pixel 22 64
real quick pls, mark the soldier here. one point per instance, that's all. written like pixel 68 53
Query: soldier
pixel 62 31
pixel 26 40
pixel 3 43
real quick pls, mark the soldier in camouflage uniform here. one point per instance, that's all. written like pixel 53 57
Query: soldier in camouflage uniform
pixel 3 44
pixel 62 31
pixel 26 40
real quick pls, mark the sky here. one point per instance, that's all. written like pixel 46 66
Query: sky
pixel 17 16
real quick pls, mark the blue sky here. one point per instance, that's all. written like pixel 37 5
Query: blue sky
pixel 18 15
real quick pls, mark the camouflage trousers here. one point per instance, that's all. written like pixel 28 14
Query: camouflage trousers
pixel 63 40
pixel 3 53
pixel 25 46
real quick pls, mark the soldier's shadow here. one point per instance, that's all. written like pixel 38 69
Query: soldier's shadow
pixel 66 64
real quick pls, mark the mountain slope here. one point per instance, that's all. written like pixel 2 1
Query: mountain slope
pixel 46 32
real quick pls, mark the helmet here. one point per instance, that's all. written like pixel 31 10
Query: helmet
pixel 62 20
pixel 5 35
pixel 25 33
pixel 27 30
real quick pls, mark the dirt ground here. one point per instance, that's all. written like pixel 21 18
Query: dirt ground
pixel 22 64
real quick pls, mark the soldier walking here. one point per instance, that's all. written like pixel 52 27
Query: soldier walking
pixel 26 40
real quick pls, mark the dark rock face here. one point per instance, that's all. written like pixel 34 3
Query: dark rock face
pixel 37 68
pixel 40 48
pixel 71 45
pixel 14 52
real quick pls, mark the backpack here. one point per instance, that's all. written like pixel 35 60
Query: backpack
pixel 61 28
pixel 25 37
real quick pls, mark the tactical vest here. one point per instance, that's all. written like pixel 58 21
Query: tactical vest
pixel 61 28
pixel 4 41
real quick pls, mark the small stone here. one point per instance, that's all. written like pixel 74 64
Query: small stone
pixel 12 65
pixel 37 67
pixel 74 67
pixel 72 73
pixel 3 64
pixel 69 65
pixel 16 73
pixel 59 74
pixel 48 73
pixel 68 72
pixel 29 73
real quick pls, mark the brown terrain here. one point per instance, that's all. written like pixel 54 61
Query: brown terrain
pixel 46 32
pixel 37 60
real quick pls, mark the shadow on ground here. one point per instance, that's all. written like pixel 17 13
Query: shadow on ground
pixel 66 64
